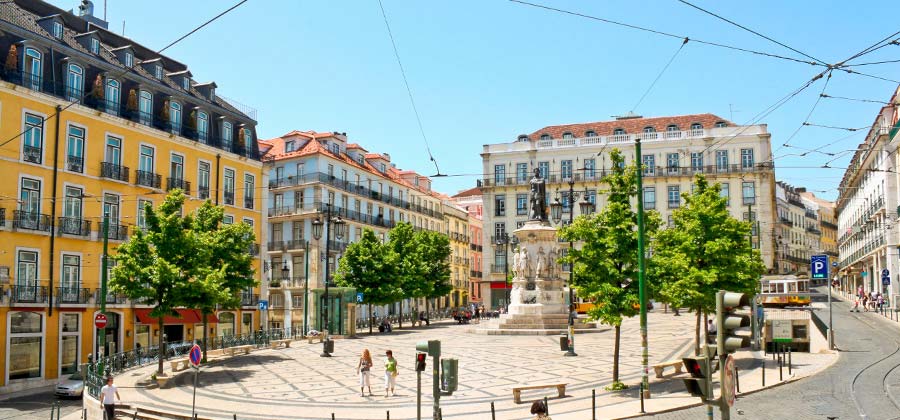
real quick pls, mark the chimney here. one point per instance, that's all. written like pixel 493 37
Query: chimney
pixel 387 157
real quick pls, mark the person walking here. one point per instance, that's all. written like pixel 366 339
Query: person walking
pixel 711 331
pixel 390 373
pixel 108 396
pixel 865 302
pixel 362 369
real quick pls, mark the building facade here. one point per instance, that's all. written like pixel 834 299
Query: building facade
pixel 310 173
pixel 797 230
pixel 867 211
pixel 827 225
pixel 674 150
pixel 470 201
pixel 98 124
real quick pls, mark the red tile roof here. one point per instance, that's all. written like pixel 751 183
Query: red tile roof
pixel 630 125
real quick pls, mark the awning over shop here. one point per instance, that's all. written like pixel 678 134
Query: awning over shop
pixel 185 316
pixel 500 285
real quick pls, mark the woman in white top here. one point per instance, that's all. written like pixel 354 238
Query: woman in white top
pixel 362 369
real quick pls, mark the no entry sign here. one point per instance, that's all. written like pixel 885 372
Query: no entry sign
pixel 100 321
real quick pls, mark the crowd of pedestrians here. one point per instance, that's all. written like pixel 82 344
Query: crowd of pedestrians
pixel 364 367
pixel 868 301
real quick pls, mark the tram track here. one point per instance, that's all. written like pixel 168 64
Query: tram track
pixel 884 386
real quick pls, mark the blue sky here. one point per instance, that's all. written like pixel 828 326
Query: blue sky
pixel 484 71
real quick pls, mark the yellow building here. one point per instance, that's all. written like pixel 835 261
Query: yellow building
pixel 93 123
pixel 457 221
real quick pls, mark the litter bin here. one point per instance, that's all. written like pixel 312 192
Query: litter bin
pixel 564 343
pixel 329 346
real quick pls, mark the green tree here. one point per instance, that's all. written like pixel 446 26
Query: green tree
pixel 408 263
pixel 706 250
pixel 434 251
pixel 605 266
pixel 368 265
pixel 155 265
pixel 224 267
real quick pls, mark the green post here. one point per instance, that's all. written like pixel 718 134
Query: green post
pixel 642 283
pixel 101 333
pixel 306 291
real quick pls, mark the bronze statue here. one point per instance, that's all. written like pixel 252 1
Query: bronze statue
pixel 538 197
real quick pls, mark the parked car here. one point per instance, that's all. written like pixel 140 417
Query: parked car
pixel 71 386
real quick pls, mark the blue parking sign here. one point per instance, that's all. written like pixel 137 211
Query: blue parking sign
pixel 359 297
pixel 263 305
pixel 819 266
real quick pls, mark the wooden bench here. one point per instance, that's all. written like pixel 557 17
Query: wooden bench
pixel 238 349
pixel 278 343
pixel 184 363
pixel 659 368
pixel 517 392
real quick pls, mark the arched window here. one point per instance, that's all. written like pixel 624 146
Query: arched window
pixel 618 131
pixel 649 129
pixel 523 138
pixel 145 108
pixel 696 126
pixel 175 116
pixel 545 137
pixel 74 82
pixel 590 133
pixel 568 135
pixel 720 124
pixel 112 96
pixel 202 126
pixel 32 69
pixel 672 127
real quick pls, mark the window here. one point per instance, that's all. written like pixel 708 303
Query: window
pixel 721 124
pixel 176 172
pixel 111 207
pixel 175 117
pixel 57 29
pixel 649 198
pixel 141 215
pixel 186 83
pixel 74 82
pixel 521 204
pixel 674 195
pixel 725 193
pixel 300 171
pixel 544 168
pixel 500 205
pixel 75 149
pixel 129 59
pixel 589 168
pixel 590 133
pixel 545 137
pixel 649 162
pixel 68 343
pixel 697 161
pixel 26 345
pixel 749 192
pixel 158 71
pixel 499 174
pixel 113 150
pixel 95 46
pixel 203 180
pixel 747 158
pixel 30 202
pixel 145 108
pixel 202 127
pixel 696 126
pixel 145 161
pixel 289 147
pixel 228 220
pixel 618 132
pixel 523 138
pixel 565 167
pixel 499 230
pixel 672 162
pixel 522 172
pixel 32 69
pixel 71 277
pixel 568 135
pixel 649 130
pixel 72 205
pixel 229 186
pixel 671 128
pixel 383 168
pixel 227 135
pixel 112 96
pixel 721 160
pixel 249 189
pixel 34 139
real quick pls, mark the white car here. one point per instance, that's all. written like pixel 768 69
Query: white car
pixel 71 386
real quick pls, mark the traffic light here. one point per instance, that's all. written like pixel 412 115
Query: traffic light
pixel 733 324
pixel 449 374
pixel 420 362
pixel 432 347
pixel 698 385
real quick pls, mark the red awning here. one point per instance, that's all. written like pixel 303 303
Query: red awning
pixel 499 285
pixel 185 316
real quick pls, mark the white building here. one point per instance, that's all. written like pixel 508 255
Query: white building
pixel 674 149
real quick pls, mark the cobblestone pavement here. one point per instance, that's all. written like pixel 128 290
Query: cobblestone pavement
pixel 36 405
pixel 868 358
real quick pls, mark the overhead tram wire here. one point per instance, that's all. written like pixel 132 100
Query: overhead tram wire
pixel 658 76
pixel 856 99
pixel 662 33
pixel 126 70
pixel 409 90
pixel 787 143
pixel 751 31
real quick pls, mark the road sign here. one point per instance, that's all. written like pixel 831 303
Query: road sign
pixel 834 264
pixel 263 305
pixel 782 330
pixel 885 273
pixel 359 297
pixel 819 266
pixel 886 281
pixel 195 356
pixel 100 321
pixel 728 384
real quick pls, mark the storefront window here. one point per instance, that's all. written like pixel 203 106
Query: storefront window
pixel 68 343
pixel 25 345
pixel 246 323
pixel 142 337
pixel 226 324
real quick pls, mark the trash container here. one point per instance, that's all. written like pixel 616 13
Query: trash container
pixel 329 346
pixel 564 343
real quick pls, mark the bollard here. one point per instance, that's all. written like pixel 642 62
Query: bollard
pixel 547 405
pixel 235 416
pixel 594 403
pixel 134 417
pixel 493 414
pixel 789 361
pixel 440 413
pixel 780 372
pixel 737 380
pixel 388 415
pixel 332 416
pixel 642 397
pixel 764 373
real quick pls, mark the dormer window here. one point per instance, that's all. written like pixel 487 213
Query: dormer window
pixel 129 59
pixel 696 126
pixel 568 135
pixel 57 30
pixel 158 71
pixel 382 167
pixel 618 132
pixel 186 83
pixel 672 127
pixel 545 137
pixel 95 46
pixel 649 130
pixel 289 147
pixel 523 138
pixel 590 133
pixel 721 124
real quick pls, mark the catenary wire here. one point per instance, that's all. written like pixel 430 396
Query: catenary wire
pixel 855 99
pixel 809 114
pixel 658 76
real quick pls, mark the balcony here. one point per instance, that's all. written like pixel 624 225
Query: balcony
pixel 475 247
pixel 25 220
pixel 475 274
pixel 28 294
pixel 116 232
pixel 147 179
pixel 74 226
pixel 814 230
pixel 249 299
pixel 72 295
pixel 248 201
pixel 253 249
pixel 498 268
pixel 295 244
pixel 2 217
pixel 114 171
pixel 31 154
pixel 75 163
pixel 812 215
pixel 228 197
pixel 275 246
pixel 111 298
pixel 786 221
pixel 173 183
pixel 203 193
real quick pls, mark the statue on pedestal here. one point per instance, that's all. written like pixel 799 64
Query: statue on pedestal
pixel 538 198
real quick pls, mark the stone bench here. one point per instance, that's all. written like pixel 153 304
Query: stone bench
pixel 278 343
pixel 312 338
pixel 238 349
pixel 517 392
pixel 659 368
pixel 183 363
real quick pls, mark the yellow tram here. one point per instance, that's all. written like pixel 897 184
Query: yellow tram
pixel 785 290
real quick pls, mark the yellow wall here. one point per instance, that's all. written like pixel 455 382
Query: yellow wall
pixel 14 102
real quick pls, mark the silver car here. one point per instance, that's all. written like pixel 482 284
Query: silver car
pixel 72 386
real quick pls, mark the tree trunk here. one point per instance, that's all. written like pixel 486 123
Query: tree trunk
pixel 205 336
pixel 162 348
pixel 616 354
pixel 416 315
pixel 697 334
pixel 400 315
pixel 370 319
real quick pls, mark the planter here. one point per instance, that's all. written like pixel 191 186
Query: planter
pixel 162 379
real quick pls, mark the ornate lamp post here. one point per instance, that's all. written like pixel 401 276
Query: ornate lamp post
pixel 331 223
pixel 556 209
pixel 505 241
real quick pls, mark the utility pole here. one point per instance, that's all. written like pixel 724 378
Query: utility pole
pixel 642 283
pixel 101 332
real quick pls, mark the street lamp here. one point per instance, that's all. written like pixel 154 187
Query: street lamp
pixel 338 225
pixel 556 209
pixel 505 241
